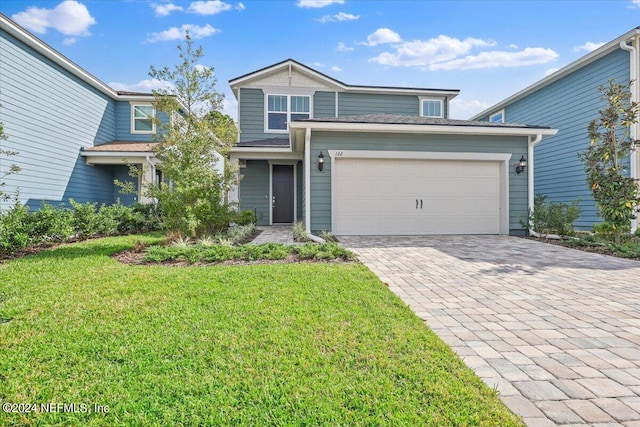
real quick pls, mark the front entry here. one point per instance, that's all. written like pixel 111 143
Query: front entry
pixel 282 197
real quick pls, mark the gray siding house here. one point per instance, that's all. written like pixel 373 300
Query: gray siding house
pixel 74 134
pixel 568 100
pixel 375 160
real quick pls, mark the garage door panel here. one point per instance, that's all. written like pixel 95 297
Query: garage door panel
pixel 378 196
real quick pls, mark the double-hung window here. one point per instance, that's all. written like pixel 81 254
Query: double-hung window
pixel 281 109
pixel 142 116
pixel 431 108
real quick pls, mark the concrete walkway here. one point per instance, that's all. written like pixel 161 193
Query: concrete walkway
pixel 275 234
pixel 555 330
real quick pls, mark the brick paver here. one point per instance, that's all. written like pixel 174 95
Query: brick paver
pixel 555 330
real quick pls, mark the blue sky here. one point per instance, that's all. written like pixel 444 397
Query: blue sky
pixel 487 49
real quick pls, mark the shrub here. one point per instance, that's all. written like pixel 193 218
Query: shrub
pixel 51 224
pixel 299 232
pixel 552 217
pixel 85 219
pixel 15 229
pixel 245 218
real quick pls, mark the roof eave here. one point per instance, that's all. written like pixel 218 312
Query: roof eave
pixel 575 65
pixel 423 128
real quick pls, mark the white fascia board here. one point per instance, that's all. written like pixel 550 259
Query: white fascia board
pixel 568 69
pixel 262 155
pixel 237 83
pixel 39 46
pixel 418 155
pixel 117 153
pixel 426 129
pixel 260 150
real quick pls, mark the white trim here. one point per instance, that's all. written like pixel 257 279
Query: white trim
pixel 422 99
pixel 575 65
pixel 307 180
pixel 503 158
pixel 117 153
pixel 253 155
pixel 288 112
pixel 133 106
pixel 502 120
pixel 293 163
pixel 337 101
pixel 240 81
pixel 424 129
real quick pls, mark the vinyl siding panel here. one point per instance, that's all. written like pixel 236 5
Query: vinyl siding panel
pixel 324 104
pixel 254 190
pixel 121 173
pixel 324 141
pixel 300 191
pixel 352 104
pixel 252 116
pixel 49 115
pixel 568 104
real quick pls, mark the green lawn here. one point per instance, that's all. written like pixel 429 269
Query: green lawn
pixel 287 344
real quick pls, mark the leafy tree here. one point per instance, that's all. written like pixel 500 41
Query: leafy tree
pixel 193 144
pixel 13 168
pixel 615 193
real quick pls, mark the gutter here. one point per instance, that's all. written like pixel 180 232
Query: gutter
pixel 633 87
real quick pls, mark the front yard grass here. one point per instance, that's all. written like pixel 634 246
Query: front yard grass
pixel 285 344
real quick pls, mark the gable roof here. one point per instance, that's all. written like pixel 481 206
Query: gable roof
pixel 330 81
pixel 24 36
pixel 575 65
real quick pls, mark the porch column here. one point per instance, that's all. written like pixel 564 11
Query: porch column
pixel 147 179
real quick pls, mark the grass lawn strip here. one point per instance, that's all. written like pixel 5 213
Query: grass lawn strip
pixel 285 344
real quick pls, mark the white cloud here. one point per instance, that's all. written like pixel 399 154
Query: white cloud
pixel 343 48
pixel 145 86
pixel 240 6
pixel 317 3
pixel 588 46
pixel 513 46
pixel 165 9
pixel 175 33
pixel 551 71
pixel 212 7
pixel 465 108
pixel 318 64
pixel 635 3
pixel 419 53
pixel 495 59
pixel 336 69
pixel 69 41
pixel 339 17
pixel 382 36
pixel 70 17
pixel 230 106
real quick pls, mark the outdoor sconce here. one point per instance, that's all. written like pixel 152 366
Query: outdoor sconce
pixel 321 162
pixel 522 164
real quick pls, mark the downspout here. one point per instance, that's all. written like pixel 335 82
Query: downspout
pixel 530 188
pixel 307 187
pixel 633 77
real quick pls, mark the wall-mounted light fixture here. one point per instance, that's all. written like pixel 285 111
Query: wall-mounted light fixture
pixel 321 162
pixel 521 166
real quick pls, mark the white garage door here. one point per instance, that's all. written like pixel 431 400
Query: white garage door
pixel 389 196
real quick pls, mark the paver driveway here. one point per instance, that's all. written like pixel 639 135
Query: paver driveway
pixel 555 330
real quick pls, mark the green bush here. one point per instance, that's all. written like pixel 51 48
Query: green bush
pixel 552 217
pixel 50 224
pixel 15 229
pixel 245 218
pixel 324 251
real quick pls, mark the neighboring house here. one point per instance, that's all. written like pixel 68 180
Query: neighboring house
pixel 375 160
pixel 568 100
pixel 74 134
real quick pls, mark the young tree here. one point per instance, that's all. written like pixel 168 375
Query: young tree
pixel 13 168
pixel 193 146
pixel 616 194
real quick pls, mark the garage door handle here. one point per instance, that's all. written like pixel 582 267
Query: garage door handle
pixel 416 203
pixel 420 203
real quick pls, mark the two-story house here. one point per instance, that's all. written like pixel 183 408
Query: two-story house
pixel 568 100
pixel 73 133
pixel 375 160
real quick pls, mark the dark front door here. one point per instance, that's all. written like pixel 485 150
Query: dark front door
pixel 282 193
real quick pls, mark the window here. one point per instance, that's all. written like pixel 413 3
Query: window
pixel 431 108
pixel 281 109
pixel 497 117
pixel 142 118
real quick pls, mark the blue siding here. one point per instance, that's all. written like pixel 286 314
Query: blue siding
pixel 300 191
pixel 254 190
pixel 49 115
pixel 123 124
pixel 252 116
pixel 121 173
pixel 323 141
pixel 324 104
pixel 352 104
pixel 568 104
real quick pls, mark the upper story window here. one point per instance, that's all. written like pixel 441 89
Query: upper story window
pixel 431 107
pixel 281 109
pixel 497 117
pixel 142 116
